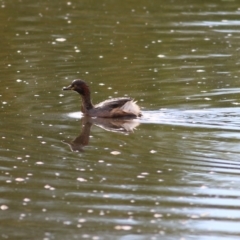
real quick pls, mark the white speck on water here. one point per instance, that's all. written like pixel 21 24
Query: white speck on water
pixel 19 179
pixel 153 151
pixel 22 215
pixel 208 99
pixel 18 80
pixel 101 213
pixel 115 153
pixel 67 222
pixel 77 50
pixel 100 56
pixel 81 220
pixel 101 84
pixel 4 207
pixel 124 227
pixel 4 103
pixel 26 199
pixel 194 216
pixel 49 187
pixel 61 39
pixel 81 179
pixel 200 70
pixel 39 163
pixel 161 56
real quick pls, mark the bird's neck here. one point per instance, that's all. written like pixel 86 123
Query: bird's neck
pixel 86 102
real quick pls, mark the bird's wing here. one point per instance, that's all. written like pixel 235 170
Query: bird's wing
pixel 113 103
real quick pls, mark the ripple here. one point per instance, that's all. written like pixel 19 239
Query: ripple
pixel 215 118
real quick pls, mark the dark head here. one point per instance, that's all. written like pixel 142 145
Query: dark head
pixel 79 86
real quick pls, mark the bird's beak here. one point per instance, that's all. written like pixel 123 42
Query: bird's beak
pixel 70 87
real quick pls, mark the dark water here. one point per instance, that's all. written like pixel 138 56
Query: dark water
pixel 175 175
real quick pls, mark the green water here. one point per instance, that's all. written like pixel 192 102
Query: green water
pixel 175 176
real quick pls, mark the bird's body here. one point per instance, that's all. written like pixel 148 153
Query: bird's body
pixel 111 108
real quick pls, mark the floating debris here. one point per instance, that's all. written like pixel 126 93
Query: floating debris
pixel 81 179
pixel 19 179
pixel 3 207
pixel 61 39
pixel 115 153
pixel 125 227
pixel 153 151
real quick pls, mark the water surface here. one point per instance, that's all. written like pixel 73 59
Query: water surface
pixel 175 175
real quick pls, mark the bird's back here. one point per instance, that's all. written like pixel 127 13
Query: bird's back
pixel 113 103
pixel 116 107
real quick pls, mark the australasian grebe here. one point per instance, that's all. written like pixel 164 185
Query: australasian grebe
pixel 112 108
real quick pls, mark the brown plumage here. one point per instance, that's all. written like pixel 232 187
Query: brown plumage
pixel 116 107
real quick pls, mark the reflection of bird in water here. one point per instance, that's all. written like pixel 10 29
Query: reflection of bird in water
pixel 123 125
pixel 116 107
pixel 109 124
pixel 77 144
